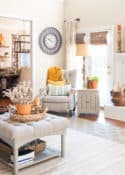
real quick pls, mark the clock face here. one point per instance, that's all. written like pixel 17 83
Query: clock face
pixel 50 40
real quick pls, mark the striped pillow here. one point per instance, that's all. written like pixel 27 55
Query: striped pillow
pixel 54 90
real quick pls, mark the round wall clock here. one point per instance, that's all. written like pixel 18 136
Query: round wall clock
pixel 50 40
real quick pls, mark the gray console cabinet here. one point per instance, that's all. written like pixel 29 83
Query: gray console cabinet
pixel 88 101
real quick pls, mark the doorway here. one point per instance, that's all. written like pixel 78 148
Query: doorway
pixel 100 62
pixel 99 69
pixel 15 51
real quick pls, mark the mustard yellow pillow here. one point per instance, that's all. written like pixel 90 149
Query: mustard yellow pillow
pixel 61 83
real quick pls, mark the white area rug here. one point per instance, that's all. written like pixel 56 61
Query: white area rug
pixel 85 155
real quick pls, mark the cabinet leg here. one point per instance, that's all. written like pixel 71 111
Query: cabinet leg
pixel 78 114
pixel 62 145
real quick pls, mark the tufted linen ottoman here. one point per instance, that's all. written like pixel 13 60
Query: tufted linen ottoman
pixel 17 134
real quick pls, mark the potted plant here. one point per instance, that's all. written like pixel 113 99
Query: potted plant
pixel 21 97
pixel 93 82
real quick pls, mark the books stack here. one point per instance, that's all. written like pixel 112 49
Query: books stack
pixel 25 156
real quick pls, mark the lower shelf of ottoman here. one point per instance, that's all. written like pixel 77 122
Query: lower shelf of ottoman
pixel 47 154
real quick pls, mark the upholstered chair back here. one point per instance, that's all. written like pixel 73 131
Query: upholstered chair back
pixel 70 77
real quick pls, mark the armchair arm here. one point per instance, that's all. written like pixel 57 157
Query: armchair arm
pixel 43 91
pixel 72 92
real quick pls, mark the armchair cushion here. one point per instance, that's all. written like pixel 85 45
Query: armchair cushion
pixel 55 90
pixel 56 99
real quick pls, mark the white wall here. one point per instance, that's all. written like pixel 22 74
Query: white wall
pixel 96 12
pixel 44 13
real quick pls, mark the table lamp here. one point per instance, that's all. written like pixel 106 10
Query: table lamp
pixel 82 50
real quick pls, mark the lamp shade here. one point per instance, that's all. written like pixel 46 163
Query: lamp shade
pixel 81 50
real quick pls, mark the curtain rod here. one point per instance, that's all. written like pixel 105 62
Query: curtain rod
pixel 77 19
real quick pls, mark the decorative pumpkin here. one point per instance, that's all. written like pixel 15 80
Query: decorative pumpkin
pixel 1 38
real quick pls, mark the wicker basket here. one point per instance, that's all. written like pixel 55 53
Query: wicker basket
pixel 34 116
pixel 36 145
pixel 118 98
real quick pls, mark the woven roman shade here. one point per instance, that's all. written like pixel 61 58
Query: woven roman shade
pixel 98 37
pixel 80 37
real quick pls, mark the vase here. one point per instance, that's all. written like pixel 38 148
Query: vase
pixel 23 109
pixel 92 84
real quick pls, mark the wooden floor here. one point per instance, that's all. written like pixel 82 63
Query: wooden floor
pixel 101 119
pixel 99 126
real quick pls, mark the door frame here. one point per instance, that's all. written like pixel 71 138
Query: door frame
pixel 110 29
pixel 31 20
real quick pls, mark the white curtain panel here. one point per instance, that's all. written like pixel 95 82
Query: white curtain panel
pixel 70 38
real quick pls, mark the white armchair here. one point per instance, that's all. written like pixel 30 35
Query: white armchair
pixel 65 103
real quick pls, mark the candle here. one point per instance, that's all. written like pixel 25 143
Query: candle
pixel 119 38
pixel 119 27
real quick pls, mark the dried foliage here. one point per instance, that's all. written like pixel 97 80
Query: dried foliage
pixel 21 94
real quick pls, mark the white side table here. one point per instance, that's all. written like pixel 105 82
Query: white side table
pixel 88 101
pixel 114 112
